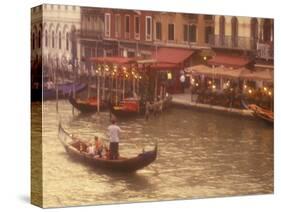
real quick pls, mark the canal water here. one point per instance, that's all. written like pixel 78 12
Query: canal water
pixel 201 154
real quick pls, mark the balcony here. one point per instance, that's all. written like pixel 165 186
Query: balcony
pixel 228 42
pixel 265 51
pixel 91 34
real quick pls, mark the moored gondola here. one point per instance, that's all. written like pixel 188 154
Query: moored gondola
pixel 64 90
pixel 122 164
pixel 128 107
pixel 131 107
pixel 262 113
pixel 87 106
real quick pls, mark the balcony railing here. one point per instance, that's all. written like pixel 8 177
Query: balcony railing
pixel 230 42
pixel 91 34
pixel 265 51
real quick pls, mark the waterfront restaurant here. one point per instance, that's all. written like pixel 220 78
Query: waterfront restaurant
pixel 115 74
pixel 216 82
pixel 170 64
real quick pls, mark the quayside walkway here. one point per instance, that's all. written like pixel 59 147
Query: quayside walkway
pixel 186 100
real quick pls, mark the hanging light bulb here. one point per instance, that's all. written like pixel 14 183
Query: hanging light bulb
pixel 269 93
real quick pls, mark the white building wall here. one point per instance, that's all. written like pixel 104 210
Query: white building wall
pixel 57 19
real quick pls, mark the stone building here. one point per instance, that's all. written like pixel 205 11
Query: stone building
pixel 52 33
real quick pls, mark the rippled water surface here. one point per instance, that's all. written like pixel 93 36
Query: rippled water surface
pixel 201 154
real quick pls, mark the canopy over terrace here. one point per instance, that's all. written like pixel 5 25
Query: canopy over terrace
pixel 169 58
pixel 242 73
pixel 229 61
pixel 117 75
pixel 112 60
pixel 164 57
pixel 266 75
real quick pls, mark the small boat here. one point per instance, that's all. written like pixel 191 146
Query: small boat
pixel 133 107
pixel 87 106
pixel 262 113
pixel 78 152
pixel 128 107
pixel 64 90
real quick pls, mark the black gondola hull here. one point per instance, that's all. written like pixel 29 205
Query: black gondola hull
pixel 84 107
pixel 120 165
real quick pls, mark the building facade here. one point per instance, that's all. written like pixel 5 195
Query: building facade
pixel 253 36
pixel 68 32
pixel 92 32
pixel 54 28
pixel 133 33
pixel 183 30
pixel 130 31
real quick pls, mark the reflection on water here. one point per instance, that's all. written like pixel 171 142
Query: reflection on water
pixel 201 154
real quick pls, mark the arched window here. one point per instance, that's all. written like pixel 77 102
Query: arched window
pixel 222 30
pixel 59 40
pixel 33 41
pixel 67 41
pixel 234 32
pixel 46 38
pixel 53 39
pixel 254 32
pixel 39 39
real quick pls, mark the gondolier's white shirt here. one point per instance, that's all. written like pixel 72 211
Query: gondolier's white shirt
pixel 113 133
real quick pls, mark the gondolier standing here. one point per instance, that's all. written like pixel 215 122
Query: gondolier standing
pixel 113 133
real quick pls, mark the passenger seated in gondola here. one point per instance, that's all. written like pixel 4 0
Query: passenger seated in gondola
pixel 106 153
pixel 91 149
pixel 80 146
pixel 98 147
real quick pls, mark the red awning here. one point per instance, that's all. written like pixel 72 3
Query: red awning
pixel 171 55
pixel 162 66
pixel 229 61
pixel 111 60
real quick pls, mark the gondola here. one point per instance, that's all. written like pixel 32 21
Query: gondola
pixel 64 90
pixel 87 106
pixel 122 164
pixel 262 113
pixel 130 107
pixel 127 108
